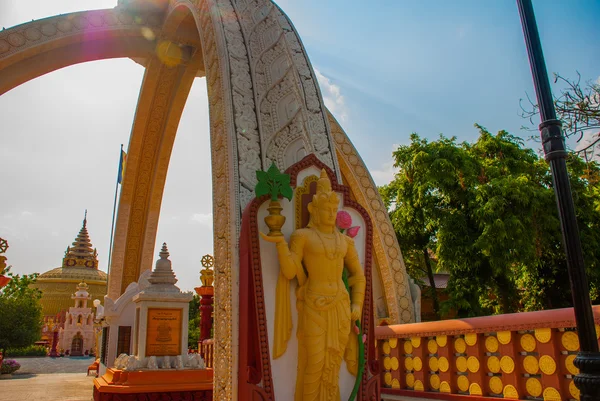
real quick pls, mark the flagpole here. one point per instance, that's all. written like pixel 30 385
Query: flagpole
pixel 112 227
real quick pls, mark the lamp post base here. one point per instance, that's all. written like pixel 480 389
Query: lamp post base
pixel 588 380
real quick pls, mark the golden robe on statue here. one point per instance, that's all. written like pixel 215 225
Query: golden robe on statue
pixel 317 256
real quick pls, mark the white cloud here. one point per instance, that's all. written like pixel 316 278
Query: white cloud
pixel 384 173
pixel 26 213
pixel 206 219
pixel 332 97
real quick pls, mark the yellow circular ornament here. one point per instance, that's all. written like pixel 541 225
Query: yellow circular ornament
pixel 434 381
pixel 491 344
pixel 507 364
pixel 408 348
pixel 444 387
pixel 408 364
pixel 463 383
pixel 441 341
pixel 386 348
pixel 434 365
pixel 475 389
pixel 533 387
pixel 471 338
pixel 415 341
pixel 574 390
pixel 570 365
pixel 570 341
pixel 528 342
pixel 395 383
pixel 443 364
pixel 504 337
pixel 495 384
pixel 419 386
pixel 460 346
pixel 531 365
pixel 493 364
pixel 393 342
pixel 551 394
pixel 547 365
pixel 510 392
pixel 387 378
pixel 432 346
pixel 543 335
pixel 418 364
pixel 395 363
pixel 387 363
pixel 461 364
pixel 473 364
pixel 410 380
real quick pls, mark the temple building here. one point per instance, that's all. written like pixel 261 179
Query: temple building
pixel 80 264
pixel 77 336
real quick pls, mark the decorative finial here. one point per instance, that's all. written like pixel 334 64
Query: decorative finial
pixel 163 273
pixel 206 274
pixel 85 218
pixel 3 245
pixel 164 252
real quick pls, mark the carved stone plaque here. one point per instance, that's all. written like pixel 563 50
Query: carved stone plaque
pixel 163 336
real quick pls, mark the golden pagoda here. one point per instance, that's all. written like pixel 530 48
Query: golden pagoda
pixel 80 264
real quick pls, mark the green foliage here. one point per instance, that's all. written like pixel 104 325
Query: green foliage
pixel 487 211
pixel 194 322
pixel 273 183
pixel 31 350
pixel 20 312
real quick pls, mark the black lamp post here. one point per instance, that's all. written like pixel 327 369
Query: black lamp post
pixel 553 142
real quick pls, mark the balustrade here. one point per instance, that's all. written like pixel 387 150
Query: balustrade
pixel 515 356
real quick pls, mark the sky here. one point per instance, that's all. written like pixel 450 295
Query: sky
pixel 387 68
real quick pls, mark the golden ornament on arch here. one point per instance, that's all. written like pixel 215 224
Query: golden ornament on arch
pixel 419 386
pixel 473 364
pixel 393 342
pixel 570 365
pixel 507 364
pixel 418 364
pixel 434 364
pixel 432 346
pixel 408 348
pixel 570 341
pixel 463 383
pixel 442 340
pixel 493 364
pixel 543 335
pixel 434 381
pixel 531 365
pixel 533 387
pixel 491 344
pixel 443 364
pixel 395 363
pixel 460 346
pixel 510 392
pixel 415 341
pixel 475 389
pixel 387 378
pixel 408 363
pixel 395 383
pixel 410 380
pixel 444 387
pixel 504 337
pixel 387 363
pixel 528 342
pixel 547 365
pixel 471 338
pixel 551 394
pixel 386 348
pixel 461 364
pixel 575 392
pixel 495 384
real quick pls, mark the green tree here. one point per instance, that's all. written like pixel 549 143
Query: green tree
pixel 487 211
pixel 194 322
pixel 20 312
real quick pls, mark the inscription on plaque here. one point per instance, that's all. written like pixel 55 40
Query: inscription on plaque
pixel 164 332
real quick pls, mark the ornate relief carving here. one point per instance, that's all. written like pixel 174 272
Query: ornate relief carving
pixel 387 250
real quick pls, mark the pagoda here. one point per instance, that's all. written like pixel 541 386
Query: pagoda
pixel 80 264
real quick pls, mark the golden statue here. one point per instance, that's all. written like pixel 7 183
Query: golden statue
pixel 316 256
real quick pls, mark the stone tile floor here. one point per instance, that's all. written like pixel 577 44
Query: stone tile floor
pixel 47 379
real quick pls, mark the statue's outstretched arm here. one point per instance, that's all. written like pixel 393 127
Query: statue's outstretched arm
pixel 356 280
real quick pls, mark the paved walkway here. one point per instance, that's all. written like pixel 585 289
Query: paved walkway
pixel 48 379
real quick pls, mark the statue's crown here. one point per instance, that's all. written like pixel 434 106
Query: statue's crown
pixel 323 183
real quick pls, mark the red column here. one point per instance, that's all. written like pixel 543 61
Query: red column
pixel 206 308
pixel 53 352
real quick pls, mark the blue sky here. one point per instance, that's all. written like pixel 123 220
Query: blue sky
pixel 386 69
